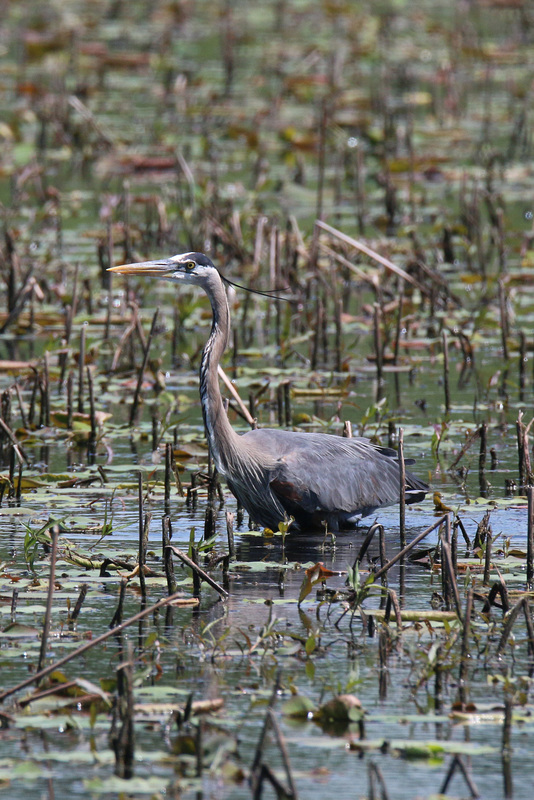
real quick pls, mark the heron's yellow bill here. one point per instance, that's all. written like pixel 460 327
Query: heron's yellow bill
pixel 154 268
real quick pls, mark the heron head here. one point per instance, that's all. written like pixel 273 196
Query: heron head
pixel 193 268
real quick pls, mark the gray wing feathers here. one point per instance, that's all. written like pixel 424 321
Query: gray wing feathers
pixel 329 473
pixel 352 476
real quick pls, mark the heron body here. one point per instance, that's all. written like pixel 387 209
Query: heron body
pixel 275 474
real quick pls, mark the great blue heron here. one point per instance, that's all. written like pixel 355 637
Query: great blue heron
pixel 315 478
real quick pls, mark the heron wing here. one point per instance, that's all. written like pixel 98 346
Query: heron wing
pixel 322 474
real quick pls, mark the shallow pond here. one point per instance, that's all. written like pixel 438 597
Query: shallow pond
pixel 139 130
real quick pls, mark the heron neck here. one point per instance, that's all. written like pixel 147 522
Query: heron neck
pixel 221 436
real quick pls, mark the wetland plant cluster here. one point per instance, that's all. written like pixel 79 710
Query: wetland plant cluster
pixel 372 162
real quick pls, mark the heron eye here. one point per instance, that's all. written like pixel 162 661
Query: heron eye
pixel 189 265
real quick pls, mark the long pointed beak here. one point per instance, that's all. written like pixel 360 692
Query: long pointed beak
pixel 157 269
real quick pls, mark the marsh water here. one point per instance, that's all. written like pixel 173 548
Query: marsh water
pixel 139 130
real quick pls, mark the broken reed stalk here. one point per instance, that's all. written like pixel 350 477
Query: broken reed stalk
pixel 45 392
pixel 121 736
pixel 451 584
pixel 402 495
pixel 155 427
pixel 210 515
pixel 259 747
pixel 127 336
pixel 455 764
pixel 23 420
pixel 63 364
pixel 71 310
pixel 14 601
pixel 280 405
pixel 79 602
pixel 363 248
pixel 127 207
pixel 235 394
pixel 460 525
pixel 438 681
pixel 81 366
pixel 521 605
pixel 12 460
pixel 378 349
pixel 338 315
pixel 141 561
pixel 252 405
pixel 197 583
pixel 398 326
pixel 199 748
pixel 117 616
pixel 260 771
pixel 265 773
pixel 525 466
pixel 467 444
pixel 287 404
pixel 454 548
pixel 18 494
pixel 107 277
pixel 280 741
pixel 53 690
pixel 504 320
pixel 375 776
pixel 483 529
pixel 137 394
pixel 498 588
pixel 445 585
pixel 520 429
pixel 383 641
pixel 530 628
pixel 166 534
pixel 13 268
pixel 483 433
pixel 410 546
pixel 530 538
pixel 392 602
pixel 230 533
pixel 176 599
pixel 360 190
pixel 446 386
pixel 229 35
pixel 487 559
pixel 362 276
pixel 464 656
pixel 522 363
pixel 168 473
pixel 382 550
pixel 323 120
pixel 506 752
pixel 70 388
pixel 92 410
pixel 12 438
pixel 54 532
pixel 366 542
pixel 198 571
pixel 317 326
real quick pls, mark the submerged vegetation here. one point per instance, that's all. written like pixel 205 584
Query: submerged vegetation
pixel 371 162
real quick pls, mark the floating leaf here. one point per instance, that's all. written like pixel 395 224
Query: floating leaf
pixel 299 706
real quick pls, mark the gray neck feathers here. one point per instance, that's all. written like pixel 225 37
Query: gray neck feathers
pixel 222 438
